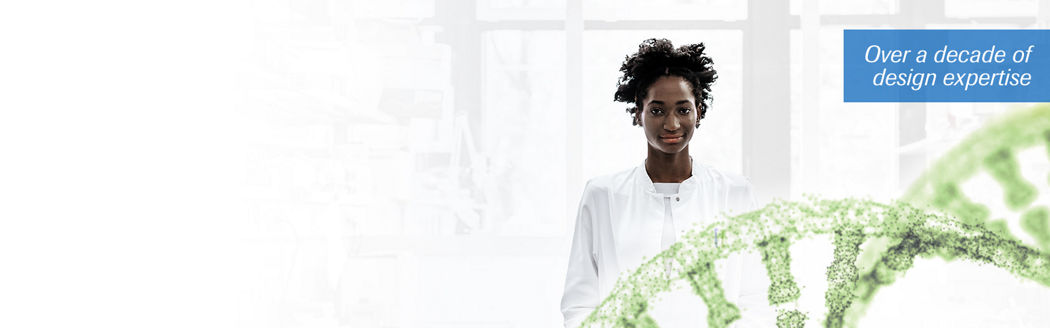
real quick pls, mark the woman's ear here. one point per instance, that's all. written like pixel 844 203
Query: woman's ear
pixel 700 109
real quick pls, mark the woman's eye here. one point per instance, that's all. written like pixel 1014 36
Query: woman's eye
pixel 684 110
pixel 656 111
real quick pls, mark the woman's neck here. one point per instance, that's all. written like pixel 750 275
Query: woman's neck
pixel 664 167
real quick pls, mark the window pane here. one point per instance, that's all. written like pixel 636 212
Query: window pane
pixel 860 137
pixel 850 7
pixel 379 9
pixel 519 9
pixel 988 8
pixel 665 10
pixel 522 131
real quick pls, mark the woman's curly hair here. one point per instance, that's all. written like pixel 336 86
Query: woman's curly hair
pixel 656 58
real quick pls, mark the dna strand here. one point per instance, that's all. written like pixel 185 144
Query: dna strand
pixel 933 218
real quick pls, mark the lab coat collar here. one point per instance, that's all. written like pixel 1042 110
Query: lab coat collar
pixel 699 176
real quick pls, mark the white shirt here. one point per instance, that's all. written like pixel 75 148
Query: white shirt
pixel 623 218
pixel 667 190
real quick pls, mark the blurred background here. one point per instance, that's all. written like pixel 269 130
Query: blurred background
pixel 422 160
pixel 418 163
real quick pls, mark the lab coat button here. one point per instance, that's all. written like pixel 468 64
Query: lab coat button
pixel 677 199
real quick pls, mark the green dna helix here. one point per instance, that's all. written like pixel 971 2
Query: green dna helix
pixel 933 218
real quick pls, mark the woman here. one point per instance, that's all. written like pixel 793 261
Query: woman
pixel 635 214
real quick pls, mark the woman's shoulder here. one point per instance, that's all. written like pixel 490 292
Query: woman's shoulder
pixel 730 179
pixel 737 188
pixel 611 181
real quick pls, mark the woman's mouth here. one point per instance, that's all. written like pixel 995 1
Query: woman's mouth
pixel 671 139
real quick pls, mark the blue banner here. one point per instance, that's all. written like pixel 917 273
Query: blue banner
pixel 946 65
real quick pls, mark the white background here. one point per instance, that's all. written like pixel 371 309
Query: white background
pixel 417 163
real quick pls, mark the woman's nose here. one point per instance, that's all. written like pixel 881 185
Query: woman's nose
pixel 672 123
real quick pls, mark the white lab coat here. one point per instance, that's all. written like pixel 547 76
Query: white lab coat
pixel 621 220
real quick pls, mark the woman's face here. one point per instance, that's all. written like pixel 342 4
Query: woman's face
pixel 668 114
